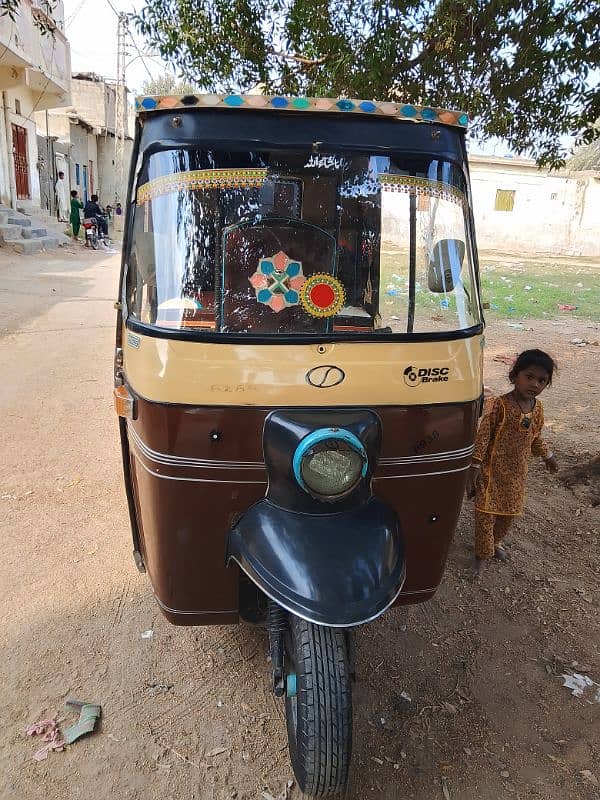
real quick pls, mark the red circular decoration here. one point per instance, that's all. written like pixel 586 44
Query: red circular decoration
pixel 322 295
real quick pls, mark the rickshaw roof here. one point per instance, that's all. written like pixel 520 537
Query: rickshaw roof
pixel 322 105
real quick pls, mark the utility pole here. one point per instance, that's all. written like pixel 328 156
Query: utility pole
pixel 120 106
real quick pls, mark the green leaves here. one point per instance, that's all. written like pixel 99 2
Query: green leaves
pixel 526 70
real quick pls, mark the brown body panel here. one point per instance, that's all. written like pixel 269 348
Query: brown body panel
pixel 198 468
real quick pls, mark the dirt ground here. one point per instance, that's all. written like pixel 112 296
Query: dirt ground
pixel 458 699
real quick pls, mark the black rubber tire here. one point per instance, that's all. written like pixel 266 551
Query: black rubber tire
pixel 319 718
pixel 94 242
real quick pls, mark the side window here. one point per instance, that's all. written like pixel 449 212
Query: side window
pixel 441 297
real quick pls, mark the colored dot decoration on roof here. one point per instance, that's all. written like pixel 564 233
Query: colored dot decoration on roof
pixel 278 281
pixel 322 295
pixel 406 111
pixel 367 106
pixel 233 100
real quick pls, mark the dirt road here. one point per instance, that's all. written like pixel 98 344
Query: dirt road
pixel 187 713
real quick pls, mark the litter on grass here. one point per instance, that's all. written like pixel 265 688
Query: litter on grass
pixel 582 686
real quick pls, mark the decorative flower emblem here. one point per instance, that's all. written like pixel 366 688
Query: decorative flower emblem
pixel 278 281
pixel 322 295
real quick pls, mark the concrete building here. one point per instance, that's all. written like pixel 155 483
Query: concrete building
pixel 522 209
pixel 34 76
pixel 87 130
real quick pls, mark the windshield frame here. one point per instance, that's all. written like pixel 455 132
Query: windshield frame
pixel 224 337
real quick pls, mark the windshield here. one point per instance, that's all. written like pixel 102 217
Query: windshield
pixel 296 242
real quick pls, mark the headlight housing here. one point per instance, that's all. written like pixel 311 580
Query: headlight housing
pixel 329 463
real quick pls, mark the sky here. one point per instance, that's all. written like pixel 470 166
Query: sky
pixel 91 27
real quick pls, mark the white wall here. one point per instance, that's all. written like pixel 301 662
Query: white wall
pixel 554 213
pixel 4 165
pixel 79 150
pixel 109 191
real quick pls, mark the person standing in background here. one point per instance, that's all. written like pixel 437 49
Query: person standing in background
pixel 76 206
pixel 62 206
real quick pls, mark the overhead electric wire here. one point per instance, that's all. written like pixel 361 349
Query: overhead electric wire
pixel 72 16
pixel 141 55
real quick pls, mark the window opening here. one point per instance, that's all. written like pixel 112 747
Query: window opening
pixel 505 200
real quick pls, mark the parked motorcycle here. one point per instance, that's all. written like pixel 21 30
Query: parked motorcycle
pixel 93 234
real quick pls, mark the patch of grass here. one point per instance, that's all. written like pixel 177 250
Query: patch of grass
pixel 514 287
pixel 537 292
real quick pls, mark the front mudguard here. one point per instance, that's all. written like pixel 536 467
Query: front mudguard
pixel 341 569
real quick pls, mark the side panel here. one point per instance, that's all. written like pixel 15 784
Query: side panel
pixel 196 469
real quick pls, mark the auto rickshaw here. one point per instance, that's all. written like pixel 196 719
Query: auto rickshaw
pixel 298 376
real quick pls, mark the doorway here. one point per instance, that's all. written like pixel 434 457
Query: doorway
pixel 19 137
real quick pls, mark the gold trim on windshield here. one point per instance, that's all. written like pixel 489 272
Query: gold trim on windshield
pixel 201 179
pixel 421 186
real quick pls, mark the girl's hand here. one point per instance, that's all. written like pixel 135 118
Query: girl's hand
pixel 472 479
pixel 551 463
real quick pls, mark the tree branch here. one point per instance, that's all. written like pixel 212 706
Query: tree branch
pixel 414 62
pixel 311 62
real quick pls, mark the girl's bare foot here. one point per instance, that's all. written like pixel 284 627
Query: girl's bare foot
pixel 477 567
pixel 500 553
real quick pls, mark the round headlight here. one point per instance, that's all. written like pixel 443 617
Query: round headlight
pixel 329 463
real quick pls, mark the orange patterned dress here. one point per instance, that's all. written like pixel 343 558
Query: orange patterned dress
pixel 502 447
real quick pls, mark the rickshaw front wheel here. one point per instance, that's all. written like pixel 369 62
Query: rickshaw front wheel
pixel 318 706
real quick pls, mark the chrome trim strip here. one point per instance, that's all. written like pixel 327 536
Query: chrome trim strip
pixel 322 624
pixel 178 611
pixel 203 463
pixel 264 483
pixel 445 455
pixel 236 610
pixel 420 474
pixel 184 461
pixel 193 480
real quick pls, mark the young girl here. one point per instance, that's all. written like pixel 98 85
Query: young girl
pixel 508 432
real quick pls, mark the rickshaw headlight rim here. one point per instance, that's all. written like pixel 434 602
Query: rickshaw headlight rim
pixel 329 463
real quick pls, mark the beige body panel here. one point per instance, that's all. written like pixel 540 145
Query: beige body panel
pixel 199 373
